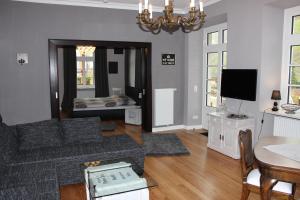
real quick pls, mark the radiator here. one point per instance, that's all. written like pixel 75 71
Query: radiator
pixel 286 127
pixel 164 107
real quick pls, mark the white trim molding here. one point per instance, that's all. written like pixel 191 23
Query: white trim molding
pixel 289 40
pixel 167 128
pixel 176 127
pixel 112 5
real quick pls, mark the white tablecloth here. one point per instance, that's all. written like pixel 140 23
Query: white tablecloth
pixel 291 151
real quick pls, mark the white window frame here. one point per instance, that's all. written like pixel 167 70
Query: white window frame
pixel 220 48
pixel 85 59
pixel 288 40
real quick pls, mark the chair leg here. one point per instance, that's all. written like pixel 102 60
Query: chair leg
pixel 292 196
pixel 245 192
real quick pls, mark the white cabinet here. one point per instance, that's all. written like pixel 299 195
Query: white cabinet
pixel 223 133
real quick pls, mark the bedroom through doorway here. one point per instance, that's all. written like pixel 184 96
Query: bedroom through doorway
pixel 110 80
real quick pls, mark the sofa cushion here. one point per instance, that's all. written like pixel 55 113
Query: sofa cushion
pixel 11 142
pixel 3 154
pixel 40 181
pixel 116 144
pixel 39 134
pixel 81 130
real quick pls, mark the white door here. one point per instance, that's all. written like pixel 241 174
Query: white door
pixel 215 132
pixel 229 136
pixel 214 60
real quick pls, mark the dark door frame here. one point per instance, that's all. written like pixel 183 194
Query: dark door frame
pixel 54 44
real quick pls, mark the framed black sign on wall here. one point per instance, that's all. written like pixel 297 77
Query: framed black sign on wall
pixel 168 59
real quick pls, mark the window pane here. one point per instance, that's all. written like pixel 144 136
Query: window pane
pixel 212 59
pixel 294 94
pixel 79 67
pixel 296 25
pixel 80 73
pixel 213 38
pixel 225 36
pixel 211 100
pixel 89 74
pixel 295 55
pixel 212 87
pixel 224 58
pixel 79 79
pixel 85 51
pixel 295 75
pixel 212 72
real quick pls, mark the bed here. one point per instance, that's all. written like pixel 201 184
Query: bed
pixel 112 107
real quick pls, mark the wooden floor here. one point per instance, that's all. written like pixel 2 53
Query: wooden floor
pixel 204 175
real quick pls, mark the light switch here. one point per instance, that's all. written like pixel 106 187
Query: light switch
pixel 195 88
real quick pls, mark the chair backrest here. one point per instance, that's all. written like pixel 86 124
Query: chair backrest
pixel 246 151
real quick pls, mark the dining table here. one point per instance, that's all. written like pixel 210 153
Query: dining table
pixel 276 167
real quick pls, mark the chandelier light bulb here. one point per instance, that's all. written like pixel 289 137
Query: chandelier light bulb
pixel 151 11
pixel 140 7
pixel 146 4
pixel 201 6
pixel 192 4
pixel 166 2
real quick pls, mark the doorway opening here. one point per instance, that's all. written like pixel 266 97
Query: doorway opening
pixel 101 78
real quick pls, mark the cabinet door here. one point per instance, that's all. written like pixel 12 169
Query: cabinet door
pixel 229 136
pixel 215 131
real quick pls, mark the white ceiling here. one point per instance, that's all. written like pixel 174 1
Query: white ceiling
pixel 181 6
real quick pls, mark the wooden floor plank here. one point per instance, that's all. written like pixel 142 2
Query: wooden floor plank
pixel 203 175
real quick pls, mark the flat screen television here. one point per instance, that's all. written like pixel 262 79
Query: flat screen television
pixel 239 84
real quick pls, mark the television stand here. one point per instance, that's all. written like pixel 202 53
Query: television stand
pixel 223 133
pixel 237 116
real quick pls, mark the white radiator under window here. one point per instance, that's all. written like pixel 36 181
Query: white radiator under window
pixel 286 127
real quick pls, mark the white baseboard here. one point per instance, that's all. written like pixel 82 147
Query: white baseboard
pixel 168 128
pixel 193 127
pixel 176 127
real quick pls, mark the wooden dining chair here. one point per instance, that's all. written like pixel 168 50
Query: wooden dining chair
pixel 251 175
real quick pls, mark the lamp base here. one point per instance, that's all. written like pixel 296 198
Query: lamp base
pixel 275 107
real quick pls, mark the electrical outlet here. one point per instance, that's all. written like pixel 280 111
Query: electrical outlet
pixel 195 117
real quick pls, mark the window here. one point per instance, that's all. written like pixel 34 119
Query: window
pixel 85 67
pixel 213 38
pixel 290 85
pixel 225 36
pixel 296 25
pixel 215 56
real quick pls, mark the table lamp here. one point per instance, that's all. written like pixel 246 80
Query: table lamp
pixel 276 97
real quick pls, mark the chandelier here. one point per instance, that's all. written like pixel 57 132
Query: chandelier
pixel 169 21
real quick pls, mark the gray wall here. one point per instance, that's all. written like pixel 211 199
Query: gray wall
pixel 194 64
pixel 26 27
pixel 254 41
pixel 116 80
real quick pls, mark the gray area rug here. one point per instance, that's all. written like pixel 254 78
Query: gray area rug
pixel 108 126
pixel 163 145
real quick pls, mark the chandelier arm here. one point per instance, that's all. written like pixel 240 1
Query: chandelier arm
pixel 144 29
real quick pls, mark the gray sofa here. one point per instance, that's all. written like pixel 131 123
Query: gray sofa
pixel 37 158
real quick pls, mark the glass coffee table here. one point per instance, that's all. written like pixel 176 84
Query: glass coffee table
pixel 116 179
